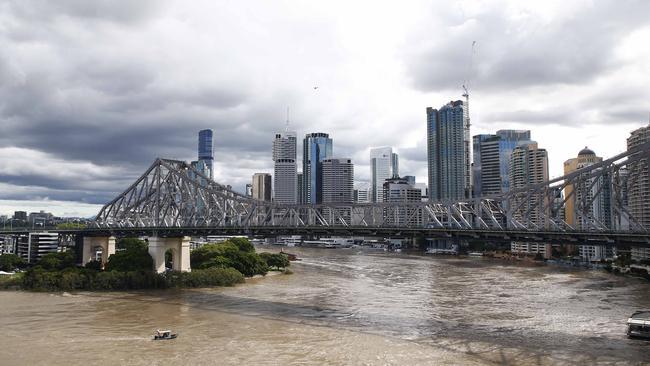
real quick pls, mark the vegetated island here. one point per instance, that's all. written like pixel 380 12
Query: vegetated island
pixel 130 268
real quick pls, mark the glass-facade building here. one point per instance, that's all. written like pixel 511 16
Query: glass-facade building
pixel 384 164
pixel 206 153
pixel 490 171
pixel 317 147
pixel 448 152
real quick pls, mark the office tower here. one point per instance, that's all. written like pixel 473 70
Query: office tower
pixel 362 192
pixel 249 190
pixel 399 190
pixel 262 186
pixel 384 164
pixel 490 172
pixel 20 215
pixel 638 180
pixel 285 175
pixel 338 180
pixel 300 186
pixel 529 165
pixel 316 148
pixel 448 152
pixel 206 157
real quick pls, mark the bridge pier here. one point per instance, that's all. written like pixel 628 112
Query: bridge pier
pixel 180 248
pixel 90 244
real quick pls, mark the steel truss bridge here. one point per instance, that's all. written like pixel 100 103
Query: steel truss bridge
pixel 173 199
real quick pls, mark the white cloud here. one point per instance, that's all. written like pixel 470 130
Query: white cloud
pixel 124 83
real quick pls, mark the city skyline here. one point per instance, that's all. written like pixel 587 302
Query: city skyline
pixel 76 130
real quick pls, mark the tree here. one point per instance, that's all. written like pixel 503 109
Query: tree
pixel 134 257
pixel 70 226
pixel 131 243
pixel 94 265
pixel 10 262
pixel 57 261
pixel 276 261
pixel 243 244
pixel 229 254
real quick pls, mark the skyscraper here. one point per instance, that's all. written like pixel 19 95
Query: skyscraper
pixel 490 171
pixel 206 157
pixel 285 176
pixel 638 180
pixel 448 152
pixel 316 148
pixel 588 203
pixel 338 180
pixel 262 186
pixel 300 188
pixel 638 189
pixel 588 191
pixel 384 164
pixel 529 165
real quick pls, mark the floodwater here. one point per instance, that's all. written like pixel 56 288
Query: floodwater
pixel 343 307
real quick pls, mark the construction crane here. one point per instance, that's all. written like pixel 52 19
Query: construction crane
pixel 468 75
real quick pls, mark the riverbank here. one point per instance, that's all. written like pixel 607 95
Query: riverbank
pixel 214 265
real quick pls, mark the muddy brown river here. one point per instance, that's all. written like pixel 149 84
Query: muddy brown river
pixel 343 307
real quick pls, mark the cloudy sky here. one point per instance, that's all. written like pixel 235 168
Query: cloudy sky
pixel 91 92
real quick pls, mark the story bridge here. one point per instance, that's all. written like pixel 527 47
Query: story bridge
pixel 172 201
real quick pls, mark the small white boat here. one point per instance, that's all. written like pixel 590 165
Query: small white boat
pixel 164 334
pixel 475 254
pixel 638 325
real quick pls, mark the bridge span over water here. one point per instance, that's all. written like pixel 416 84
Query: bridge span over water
pixel 172 201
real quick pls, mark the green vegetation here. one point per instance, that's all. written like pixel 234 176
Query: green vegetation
pixel 70 226
pixel 130 268
pixel 133 255
pixel 234 253
pixel 276 261
pixel 11 262
pixel 71 279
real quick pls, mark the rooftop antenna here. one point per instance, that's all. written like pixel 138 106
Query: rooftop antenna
pixel 287 128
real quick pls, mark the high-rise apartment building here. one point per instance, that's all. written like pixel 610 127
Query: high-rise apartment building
pixel 285 175
pixel 262 186
pixel 490 170
pixel 206 153
pixel 638 180
pixel 588 204
pixel 529 165
pixel 448 152
pixel 338 180
pixel 593 192
pixel 316 148
pixel 384 164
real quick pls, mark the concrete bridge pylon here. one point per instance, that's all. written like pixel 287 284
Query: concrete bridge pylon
pixel 180 249
pixel 91 244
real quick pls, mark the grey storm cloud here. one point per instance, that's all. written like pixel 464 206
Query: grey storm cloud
pixel 525 52
pixel 91 92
